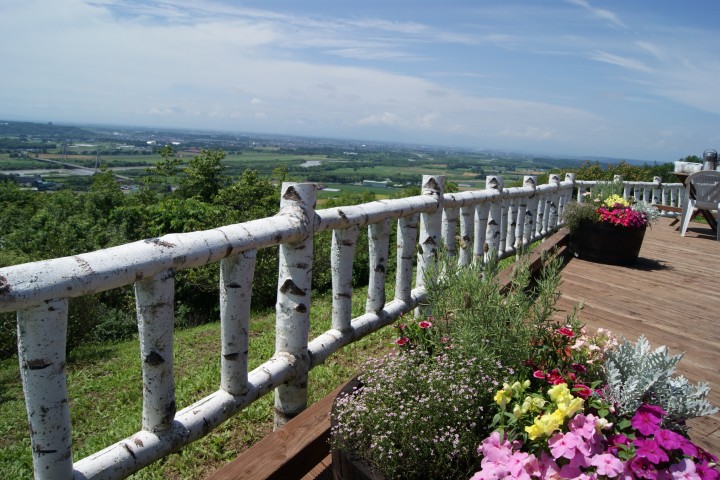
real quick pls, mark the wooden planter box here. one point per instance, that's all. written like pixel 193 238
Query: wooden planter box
pixel 603 242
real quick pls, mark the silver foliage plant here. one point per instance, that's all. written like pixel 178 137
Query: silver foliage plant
pixel 636 375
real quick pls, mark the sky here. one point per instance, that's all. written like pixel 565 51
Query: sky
pixel 624 79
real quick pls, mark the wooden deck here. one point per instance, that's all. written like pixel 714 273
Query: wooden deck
pixel 672 296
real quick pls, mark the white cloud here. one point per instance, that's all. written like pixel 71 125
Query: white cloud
pixel 601 13
pixel 624 62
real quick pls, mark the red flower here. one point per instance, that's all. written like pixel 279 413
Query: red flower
pixel 402 341
pixel 425 324
pixel 539 374
pixel 566 331
pixel 582 391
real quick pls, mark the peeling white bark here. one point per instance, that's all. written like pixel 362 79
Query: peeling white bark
pixel 42 333
pixel 406 243
pixel 154 298
pixel 430 228
pixel 494 238
pixel 292 311
pixel 378 248
pixel 341 263
pixel 236 280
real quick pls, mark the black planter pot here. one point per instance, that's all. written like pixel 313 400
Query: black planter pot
pixel 603 242
pixel 344 466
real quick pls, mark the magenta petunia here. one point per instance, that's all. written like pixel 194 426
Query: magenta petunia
pixel 641 467
pixel 539 374
pixel 649 448
pixel 645 422
pixel 706 472
pixel 668 439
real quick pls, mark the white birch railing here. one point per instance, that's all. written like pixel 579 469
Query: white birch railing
pixel 469 225
pixel 655 192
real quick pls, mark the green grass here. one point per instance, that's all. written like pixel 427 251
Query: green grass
pixel 105 391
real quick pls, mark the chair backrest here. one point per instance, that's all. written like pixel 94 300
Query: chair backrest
pixel 706 185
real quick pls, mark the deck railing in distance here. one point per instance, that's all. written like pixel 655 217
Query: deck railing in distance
pixel 470 225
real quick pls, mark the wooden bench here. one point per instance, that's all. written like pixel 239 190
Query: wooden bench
pixel 671 209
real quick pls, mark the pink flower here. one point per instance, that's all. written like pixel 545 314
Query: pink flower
pixel 583 425
pixel 564 445
pixel 684 469
pixel 424 324
pixel 607 464
pixel 539 374
pixel 402 341
pixel 649 448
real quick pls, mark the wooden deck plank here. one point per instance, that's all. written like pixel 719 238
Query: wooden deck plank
pixel 671 296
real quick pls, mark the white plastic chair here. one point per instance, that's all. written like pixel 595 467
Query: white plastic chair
pixel 705 189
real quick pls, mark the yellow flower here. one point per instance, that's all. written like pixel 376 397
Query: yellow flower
pixel 558 392
pixel 502 397
pixel 545 425
pixel 613 200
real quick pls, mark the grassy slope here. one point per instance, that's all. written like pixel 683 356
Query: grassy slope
pixel 105 389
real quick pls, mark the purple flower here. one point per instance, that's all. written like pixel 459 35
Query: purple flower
pixel 643 468
pixel 688 448
pixel 645 421
pixel 668 439
pixel 706 472
pixel 649 448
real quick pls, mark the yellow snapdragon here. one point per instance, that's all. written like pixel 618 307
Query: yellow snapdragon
pixel 613 200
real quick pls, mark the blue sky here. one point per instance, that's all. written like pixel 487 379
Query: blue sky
pixel 633 79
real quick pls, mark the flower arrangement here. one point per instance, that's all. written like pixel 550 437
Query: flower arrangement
pixel 608 206
pixel 628 429
pixel 534 397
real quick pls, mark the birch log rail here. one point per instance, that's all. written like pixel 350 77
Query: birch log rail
pixel 469 225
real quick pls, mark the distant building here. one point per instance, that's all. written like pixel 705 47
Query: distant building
pixel 377 183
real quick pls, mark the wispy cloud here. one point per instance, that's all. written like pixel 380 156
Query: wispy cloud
pixel 624 62
pixel 601 13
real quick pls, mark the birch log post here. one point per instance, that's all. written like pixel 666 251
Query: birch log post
pixel 406 243
pixel 467 235
pixel 430 230
pixel 341 264
pixel 449 230
pixel 493 238
pixel 292 311
pixel 154 299
pixel 236 280
pixel 551 205
pixel 378 247
pixel 42 337
pixel 482 214
pixel 657 190
pixel 530 214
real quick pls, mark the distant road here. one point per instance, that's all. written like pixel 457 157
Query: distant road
pixel 74 169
